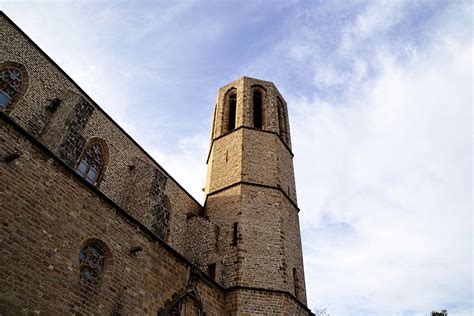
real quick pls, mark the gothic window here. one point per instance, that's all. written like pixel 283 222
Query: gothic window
pixel 257 109
pixel 91 262
pixel 91 162
pixel 232 111
pixel 10 85
pixel 162 213
pixel 282 120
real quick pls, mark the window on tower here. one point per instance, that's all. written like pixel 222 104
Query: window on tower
pixel 296 282
pixel 282 120
pixel 235 234
pixel 232 111
pixel 257 109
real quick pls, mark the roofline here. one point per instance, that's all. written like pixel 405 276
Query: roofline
pixel 2 14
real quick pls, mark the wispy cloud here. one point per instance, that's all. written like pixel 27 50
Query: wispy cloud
pixel 384 178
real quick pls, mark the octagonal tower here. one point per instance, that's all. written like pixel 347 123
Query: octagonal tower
pixel 250 190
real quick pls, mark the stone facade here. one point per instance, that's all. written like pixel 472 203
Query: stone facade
pixel 114 233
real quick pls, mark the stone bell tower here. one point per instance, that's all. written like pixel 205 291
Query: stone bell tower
pixel 250 192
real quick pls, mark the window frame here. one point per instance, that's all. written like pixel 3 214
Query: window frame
pixel 23 85
pixel 104 159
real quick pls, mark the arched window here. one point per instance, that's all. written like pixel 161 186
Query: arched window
pixel 257 109
pixel 92 162
pixel 95 258
pixel 91 261
pixel 258 106
pixel 229 111
pixel 11 81
pixel 232 111
pixel 282 120
pixel 161 221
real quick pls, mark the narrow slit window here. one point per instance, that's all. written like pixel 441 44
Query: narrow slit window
pixel 232 111
pixel 282 120
pixel 235 234
pixel 211 270
pixel 257 109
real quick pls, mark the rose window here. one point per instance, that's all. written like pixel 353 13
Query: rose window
pixel 92 262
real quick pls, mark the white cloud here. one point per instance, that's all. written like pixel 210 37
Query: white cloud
pixel 186 161
pixel 377 18
pixel 384 183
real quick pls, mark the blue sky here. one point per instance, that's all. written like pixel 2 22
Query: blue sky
pixel 379 96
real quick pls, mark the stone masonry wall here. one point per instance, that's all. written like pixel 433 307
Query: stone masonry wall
pixel 267 161
pixel 293 249
pixel 225 162
pixel 225 209
pixel 50 213
pixel 258 302
pixel 78 119
pixel 45 223
pixel 251 183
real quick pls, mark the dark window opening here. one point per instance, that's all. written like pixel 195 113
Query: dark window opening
pixel 232 111
pixel 257 109
pixel 211 270
pixel 91 163
pixel 91 262
pixel 282 121
pixel 10 84
pixel 235 233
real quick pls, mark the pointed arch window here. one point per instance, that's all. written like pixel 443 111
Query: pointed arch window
pixel 91 163
pixel 257 109
pixel 232 111
pixel 282 120
pixel 10 85
pixel 229 111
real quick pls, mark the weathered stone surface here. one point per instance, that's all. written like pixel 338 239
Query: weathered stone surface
pixel 155 240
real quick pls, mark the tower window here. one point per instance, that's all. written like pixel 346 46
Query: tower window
pixel 235 234
pixel 257 109
pixel 232 111
pixel 211 270
pixel 10 84
pixel 296 282
pixel 282 120
pixel 91 162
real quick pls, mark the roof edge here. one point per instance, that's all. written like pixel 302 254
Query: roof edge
pixel 2 14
